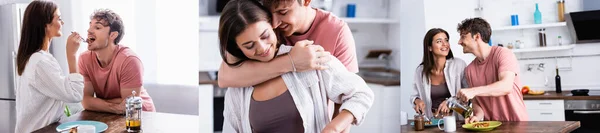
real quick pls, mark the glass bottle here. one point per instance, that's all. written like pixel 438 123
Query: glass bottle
pixel 537 15
pixel 557 82
pixel 133 113
pixel 561 10
pixel 559 41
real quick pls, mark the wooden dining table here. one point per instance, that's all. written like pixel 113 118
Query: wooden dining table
pixel 152 122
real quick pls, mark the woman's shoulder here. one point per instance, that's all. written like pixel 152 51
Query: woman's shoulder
pixel 40 57
pixel 419 69
pixel 457 62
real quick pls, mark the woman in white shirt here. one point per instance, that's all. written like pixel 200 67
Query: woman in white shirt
pixel 43 90
pixel 293 102
pixel 438 77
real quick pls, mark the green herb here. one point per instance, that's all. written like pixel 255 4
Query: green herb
pixel 67 111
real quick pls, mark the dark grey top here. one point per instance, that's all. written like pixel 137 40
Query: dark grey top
pixel 439 93
pixel 277 115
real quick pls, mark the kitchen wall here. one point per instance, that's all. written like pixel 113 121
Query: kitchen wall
pixel 582 72
pixel 419 16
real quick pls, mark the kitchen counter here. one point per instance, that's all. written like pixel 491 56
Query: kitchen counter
pixel 565 95
pixel 151 122
pixel 204 77
pixel 513 127
pixel 378 80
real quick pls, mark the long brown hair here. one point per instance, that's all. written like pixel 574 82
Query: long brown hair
pixel 235 18
pixel 428 63
pixel 37 15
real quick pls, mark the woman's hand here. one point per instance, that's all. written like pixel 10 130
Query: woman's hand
pixel 72 47
pixel 419 106
pixel 443 108
pixel 73 42
pixel 339 123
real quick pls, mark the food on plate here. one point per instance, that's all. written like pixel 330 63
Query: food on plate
pixel 536 92
pixel 525 90
pixel 427 122
pixel 73 130
pixel 481 125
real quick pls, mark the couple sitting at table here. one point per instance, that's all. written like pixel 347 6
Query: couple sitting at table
pixel 102 79
pixel 493 76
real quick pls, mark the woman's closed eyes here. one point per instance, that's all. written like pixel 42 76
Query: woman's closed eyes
pixel 263 36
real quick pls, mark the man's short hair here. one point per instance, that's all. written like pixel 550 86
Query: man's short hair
pixel 272 4
pixel 474 26
pixel 109 18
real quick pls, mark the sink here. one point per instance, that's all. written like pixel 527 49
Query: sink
pixel 379 74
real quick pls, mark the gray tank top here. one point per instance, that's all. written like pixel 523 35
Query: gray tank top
pixel 439 93
pixel 277 115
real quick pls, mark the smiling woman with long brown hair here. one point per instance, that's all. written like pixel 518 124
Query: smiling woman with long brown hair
pixel 43 90
pixel 295 102
pixel 439 76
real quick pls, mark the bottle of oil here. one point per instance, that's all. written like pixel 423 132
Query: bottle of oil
pixel 133 113
pixel 557 82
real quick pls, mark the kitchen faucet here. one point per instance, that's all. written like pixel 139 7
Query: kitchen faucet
pixel 386 59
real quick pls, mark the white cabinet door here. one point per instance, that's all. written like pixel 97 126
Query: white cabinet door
pixel 391 97
pixel 545 104
pixel 546 115
pixel 545 110
pixel 205 108
pixel 373 120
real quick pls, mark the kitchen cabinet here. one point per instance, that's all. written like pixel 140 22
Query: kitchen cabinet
pixel 372 122
pixel 545 110
pixel 205 100
pixel 384 115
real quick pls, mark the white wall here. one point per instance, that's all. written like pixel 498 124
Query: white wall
pixel 164 35
pixel 412 30
pixel 583 72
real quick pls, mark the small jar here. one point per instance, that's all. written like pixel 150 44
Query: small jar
pixel 510 45
pixel 518 44
pixel 419 123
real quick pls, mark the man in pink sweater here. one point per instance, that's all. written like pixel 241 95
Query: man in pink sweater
pixel 298 22
pixel 493 76
pixel 111 71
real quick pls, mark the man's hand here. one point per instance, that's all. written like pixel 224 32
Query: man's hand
pixel 118 108
pixel 116 100
pixel 466 94
pixel 419 106
pixel 472 119
pixel 306 56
